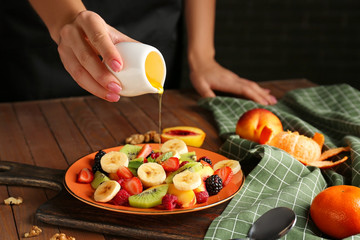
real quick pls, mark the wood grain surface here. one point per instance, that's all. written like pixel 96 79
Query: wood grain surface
pixel 52 134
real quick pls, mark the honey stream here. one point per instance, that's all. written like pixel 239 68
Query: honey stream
pixel 155 70
pixel 160 104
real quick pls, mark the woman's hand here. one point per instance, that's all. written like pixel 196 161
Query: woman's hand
pixel 206 74
pixel 81 44
pixel 211 76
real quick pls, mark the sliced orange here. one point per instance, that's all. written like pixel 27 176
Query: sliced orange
pixel 305 149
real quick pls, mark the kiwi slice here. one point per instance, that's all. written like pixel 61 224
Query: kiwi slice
pixel 135 163
pixel 99 178
pixel 151 197
pixel 131 150
pixel 191 166
pixel 189 156
pixel 163 157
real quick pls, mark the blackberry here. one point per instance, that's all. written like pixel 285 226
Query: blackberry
pixel 206 159
pixel 213 184
pixel 99 155
pixel 97 165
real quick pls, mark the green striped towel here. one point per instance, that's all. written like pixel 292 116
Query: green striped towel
pixel 274 178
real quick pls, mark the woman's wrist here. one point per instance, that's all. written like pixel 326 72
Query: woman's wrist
pixel 198 58
pixel 57 13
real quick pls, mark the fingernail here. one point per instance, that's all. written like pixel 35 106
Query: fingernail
pixel 115 65
pixel 274 100
pixel 114 87
pixel 112 97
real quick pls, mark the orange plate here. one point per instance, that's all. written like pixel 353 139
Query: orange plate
pixel 84 192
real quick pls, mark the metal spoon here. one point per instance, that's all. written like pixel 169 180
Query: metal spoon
pixel 273 224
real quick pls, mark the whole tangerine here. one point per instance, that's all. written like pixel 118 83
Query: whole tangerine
pixel 336 211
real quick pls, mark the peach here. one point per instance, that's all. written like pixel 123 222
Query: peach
pixel 192 136
pixel 201 188
pixel 206 170
pixel 251 124
pixel 113 176
pixel 185 198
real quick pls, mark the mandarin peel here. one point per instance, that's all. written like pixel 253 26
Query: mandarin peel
pixel 304 149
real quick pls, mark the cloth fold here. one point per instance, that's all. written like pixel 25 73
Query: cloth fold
pixel 273 177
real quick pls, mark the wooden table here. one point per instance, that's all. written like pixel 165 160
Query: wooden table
pixel 55 133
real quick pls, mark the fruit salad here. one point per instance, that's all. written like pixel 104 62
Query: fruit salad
pixel 169 177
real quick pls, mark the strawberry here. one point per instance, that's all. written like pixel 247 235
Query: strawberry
pixel 124 172
pixel 132 186
pixel 170 164
pixel 204 163
pixel 225 173
pixel 145 151
pixel 205 159
pixel 113 176
pixel 85 176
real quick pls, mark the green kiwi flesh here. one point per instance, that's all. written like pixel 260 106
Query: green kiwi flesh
pixel 151 197
pixel 131 150
pixel 99 178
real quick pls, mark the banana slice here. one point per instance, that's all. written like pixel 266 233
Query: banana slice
pixel 177 145
pixel 233 164
pixel 106 191
pixel 151 174
pixel 111 161
pixel 187 180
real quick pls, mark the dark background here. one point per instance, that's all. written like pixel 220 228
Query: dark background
pixel 279 39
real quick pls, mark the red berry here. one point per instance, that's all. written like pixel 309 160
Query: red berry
pixel 225 173
pixel 132 186
pixel 202 196
pixel 171 164
pixel 169 201
pixel 85 176
pixel 121 180
pixel 145 151
pixel 204 163
pixel 155 155
pixel 205 159
pixel 121 198
pixel 183 163
pixel 124 172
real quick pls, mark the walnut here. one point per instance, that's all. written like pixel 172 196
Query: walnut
pixel 135 139
pixel 61 236
pixel 150 136
pixel 34 231
pixel 13 201
pixel 157 138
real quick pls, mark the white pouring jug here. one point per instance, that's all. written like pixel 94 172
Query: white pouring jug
pixel 143 71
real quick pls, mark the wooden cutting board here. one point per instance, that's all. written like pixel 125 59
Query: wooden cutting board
pixel 66 210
